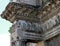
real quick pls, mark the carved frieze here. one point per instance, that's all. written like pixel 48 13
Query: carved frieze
pixel 30 13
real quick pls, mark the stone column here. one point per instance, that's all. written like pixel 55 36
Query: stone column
pixel 21 43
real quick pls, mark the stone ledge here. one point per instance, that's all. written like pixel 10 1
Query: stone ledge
pixel 55 31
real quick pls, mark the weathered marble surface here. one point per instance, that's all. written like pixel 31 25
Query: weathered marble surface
pixel 30 2
pixel 25 35
pixel 33 23
pixel 15 11
pixel 37 27
pixel 51 23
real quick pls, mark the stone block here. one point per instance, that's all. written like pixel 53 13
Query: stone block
pixel 27 26
pixel 30 2
pixel 20 34
pixel 41 43
pixel 51 23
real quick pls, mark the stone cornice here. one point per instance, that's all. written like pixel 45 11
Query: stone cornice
pixel 26 35
pixel 15 11
pixel 34 36
pixel 55 31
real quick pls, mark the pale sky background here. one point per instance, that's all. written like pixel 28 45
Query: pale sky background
pixel 4 26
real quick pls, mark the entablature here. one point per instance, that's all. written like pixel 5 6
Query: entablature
pixel 15 11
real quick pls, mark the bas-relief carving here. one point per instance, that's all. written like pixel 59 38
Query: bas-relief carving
pixel 50 26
